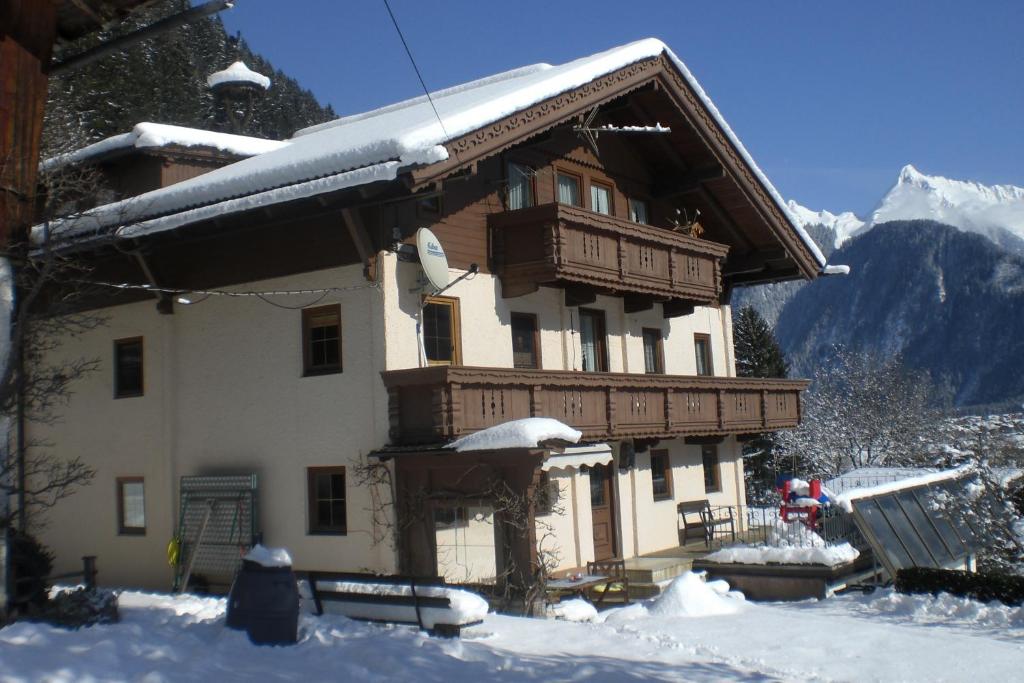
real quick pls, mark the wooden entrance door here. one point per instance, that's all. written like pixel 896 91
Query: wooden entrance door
pixel 603 511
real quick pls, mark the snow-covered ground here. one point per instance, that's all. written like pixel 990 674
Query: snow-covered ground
pixel 884 636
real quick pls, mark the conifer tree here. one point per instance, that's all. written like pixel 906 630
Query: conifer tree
pixel 758 355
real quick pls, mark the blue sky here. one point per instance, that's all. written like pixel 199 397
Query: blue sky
pixel 830 98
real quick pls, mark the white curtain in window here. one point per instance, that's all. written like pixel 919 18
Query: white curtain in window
pixel 638 211
pixel 520 189
pixel 600 199
pixel 134 504
pixel 588 343
pixel 568 190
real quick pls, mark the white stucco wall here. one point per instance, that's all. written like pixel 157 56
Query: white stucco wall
pixel 224 394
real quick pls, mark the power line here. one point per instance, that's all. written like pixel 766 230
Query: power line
pixel 207 293
pixel 418 74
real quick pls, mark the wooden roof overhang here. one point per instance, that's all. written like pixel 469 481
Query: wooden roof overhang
pixel 77 18
pixel 697 157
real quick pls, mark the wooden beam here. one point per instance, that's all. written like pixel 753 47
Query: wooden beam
pixel 704 440
pixel 360 238
pixel 751 262
pixel 164 302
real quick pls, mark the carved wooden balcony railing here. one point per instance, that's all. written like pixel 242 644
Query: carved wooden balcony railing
pixel 557 244
pixel 436 404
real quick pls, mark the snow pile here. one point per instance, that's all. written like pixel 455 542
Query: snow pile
pixel 405 134
pixel 573 610
pixel 269 557
pixel 238 73
pixel 529 432
pixel 149 135
pixel 788 543
pixel 690 596
pixel 845 500
pixel 948 609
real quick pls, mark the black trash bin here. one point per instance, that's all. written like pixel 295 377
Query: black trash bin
pixel 264 602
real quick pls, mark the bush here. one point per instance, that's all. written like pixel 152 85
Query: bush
pixel 31 563
pixel 1007 588
pixel 80 607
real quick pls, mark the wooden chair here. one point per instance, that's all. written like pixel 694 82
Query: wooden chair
pixel 708 522
pixel 617 587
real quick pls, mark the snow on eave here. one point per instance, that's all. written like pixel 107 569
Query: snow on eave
pixel 846 499
pixel 146 135
pixel 836 270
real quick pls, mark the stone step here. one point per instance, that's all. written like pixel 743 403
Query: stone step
pixel 644 591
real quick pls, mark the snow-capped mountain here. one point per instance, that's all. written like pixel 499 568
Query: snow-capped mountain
pixel 844 226
pixel 996 211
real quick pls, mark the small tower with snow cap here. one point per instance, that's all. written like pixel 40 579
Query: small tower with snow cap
pixel 236 89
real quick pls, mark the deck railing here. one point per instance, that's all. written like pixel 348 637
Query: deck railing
pixel 436 404
pixel 760 526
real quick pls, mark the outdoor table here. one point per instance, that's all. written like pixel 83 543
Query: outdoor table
pixel 577 587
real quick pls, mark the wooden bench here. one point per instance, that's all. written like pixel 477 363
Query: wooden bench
pixel 404 599
pixel 709 521
pixel 616 589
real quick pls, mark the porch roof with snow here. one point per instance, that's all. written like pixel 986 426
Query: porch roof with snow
pixel 478 119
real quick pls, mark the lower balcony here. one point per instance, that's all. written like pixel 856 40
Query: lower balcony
pixel 437 404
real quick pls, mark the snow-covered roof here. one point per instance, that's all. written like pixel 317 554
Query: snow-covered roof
pixel 845 500
pixel 147 135
pixel 404 134
pixel 238 73
pixel 529 432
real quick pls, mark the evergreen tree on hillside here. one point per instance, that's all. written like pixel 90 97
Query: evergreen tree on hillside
pixel 757 352
pixel 758 355
pixel 163 79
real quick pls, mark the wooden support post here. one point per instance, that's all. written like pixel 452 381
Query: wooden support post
pixel 89 572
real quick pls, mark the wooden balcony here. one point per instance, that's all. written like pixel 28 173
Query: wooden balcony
pixel 557 244
pixel 436 404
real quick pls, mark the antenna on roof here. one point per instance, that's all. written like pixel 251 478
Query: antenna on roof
pixel 590 133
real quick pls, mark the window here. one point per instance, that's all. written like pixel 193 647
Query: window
pixel 525 346
pixel 661 475
pixel 321 340
pixel 653 354
pixel 128 367
pixel 441 330
pixel 593 346
pixel 520 186
pixel 702 349
pixel 568 189
pixel 327 513
pixel 131 506
pixel 638 212
pixel 449 516
pixel 547 494
pixel 709 459
pixel 601 198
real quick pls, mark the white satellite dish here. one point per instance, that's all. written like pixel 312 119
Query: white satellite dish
pixel 432 258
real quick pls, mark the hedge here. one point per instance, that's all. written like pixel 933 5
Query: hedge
pixel 1007 588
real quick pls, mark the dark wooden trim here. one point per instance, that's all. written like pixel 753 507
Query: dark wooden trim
pixel 133 393
pixel 703 440
pixel 666 471
pixel 313 525
pixel 709 357
pixel 456 327
pixel 123 530
pixel 536 338
pixel 600 337
pixel 436 404
pixel 308 315
pixel 659 350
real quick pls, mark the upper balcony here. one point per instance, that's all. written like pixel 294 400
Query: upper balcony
pixel 437 404
pixel 557 244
